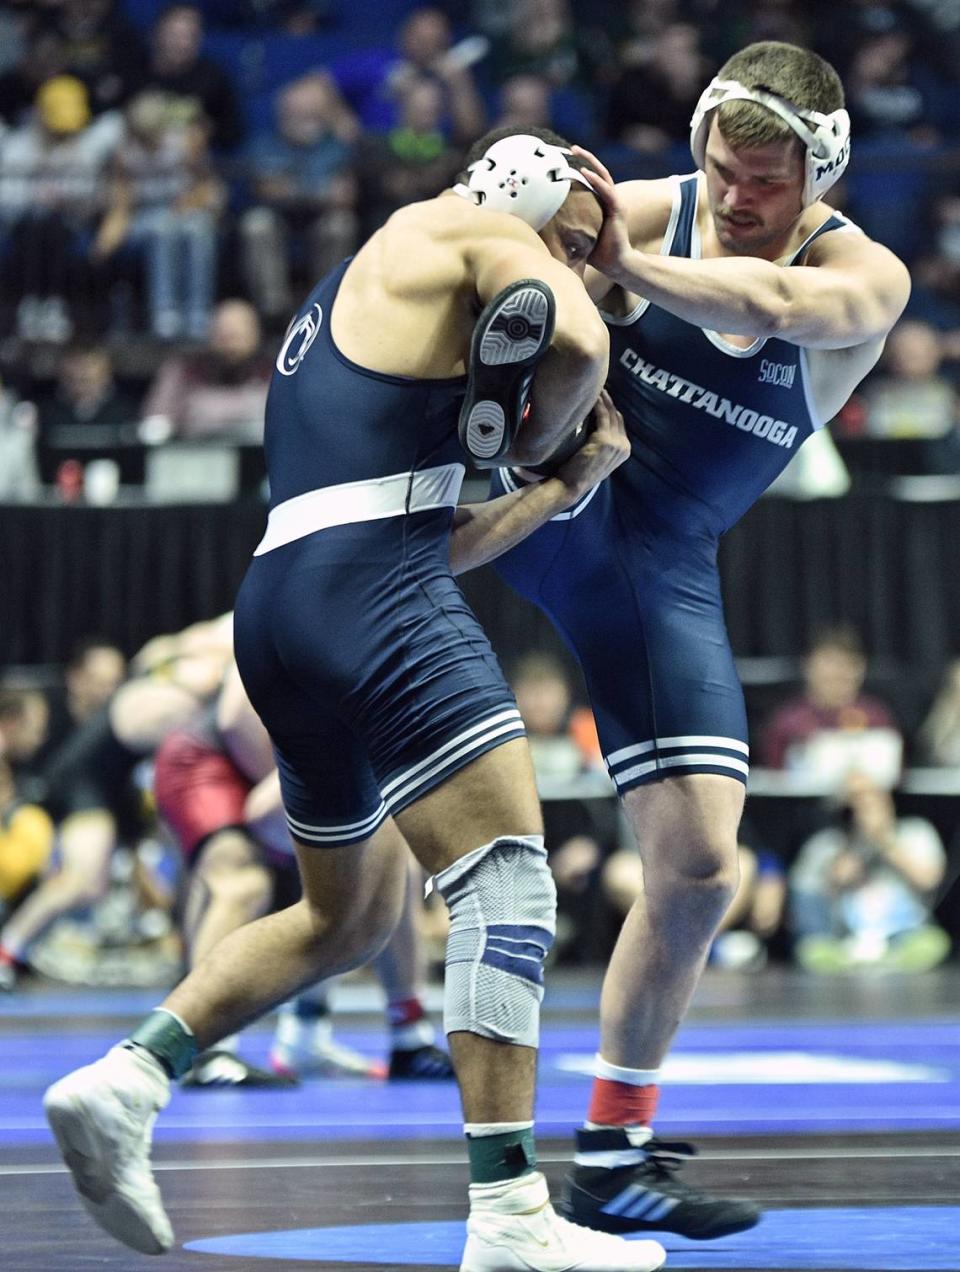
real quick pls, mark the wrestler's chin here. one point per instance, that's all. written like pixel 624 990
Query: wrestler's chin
pixel 742 240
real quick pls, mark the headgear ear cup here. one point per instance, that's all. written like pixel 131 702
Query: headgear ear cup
pixel 524 176
pixel 826 138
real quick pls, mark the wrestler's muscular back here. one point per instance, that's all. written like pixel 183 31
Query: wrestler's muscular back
pixel 410 298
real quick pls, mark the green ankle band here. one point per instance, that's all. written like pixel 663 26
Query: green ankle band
pixel 494 1158
pixel 168 1040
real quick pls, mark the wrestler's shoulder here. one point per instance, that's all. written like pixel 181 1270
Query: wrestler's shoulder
pixel 648 206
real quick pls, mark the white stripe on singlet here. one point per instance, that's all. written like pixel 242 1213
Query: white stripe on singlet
pixel 372 500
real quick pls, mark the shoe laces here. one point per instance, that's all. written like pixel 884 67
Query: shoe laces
pixel 664 1158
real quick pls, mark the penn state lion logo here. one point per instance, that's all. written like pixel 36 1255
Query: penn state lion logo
pixel 299 339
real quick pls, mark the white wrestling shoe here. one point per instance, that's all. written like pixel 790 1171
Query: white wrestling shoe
pixel 513 1228
pixel 307 1049
pixel 102 1117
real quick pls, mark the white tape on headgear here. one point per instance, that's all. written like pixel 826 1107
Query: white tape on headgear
pixel 524 176
pixel 826 138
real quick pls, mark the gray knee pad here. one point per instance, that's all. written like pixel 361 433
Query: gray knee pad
pixel 503 907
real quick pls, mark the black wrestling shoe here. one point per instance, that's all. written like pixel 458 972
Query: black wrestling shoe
pixel 421 1064
pixel 224 1069
pixel 511 336
pixel 646 1195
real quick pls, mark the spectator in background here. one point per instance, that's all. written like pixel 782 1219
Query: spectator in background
pixel 882 90
pixel 166 200
pixel 833 725
pixel 84 397
pixel 303 190
pixel 579 833
pixel 654 96
pixel 860 891
pixel 26 840
pixel 541 40
pixel 24 721
pixel 616 33
pixel 88 780
pixel 413 161
pixel 524 102
pixel 96 667
pixel 45 57
pixel 939 735
pixel 85 393
pixel 218 393
pixel 295 17
pixel 14 34
pixel 428 52
pixel 19 478
pixel 890 109
pixel 791 21
pixel 49 197
pixel 177 67
pixel 562 737
pixel 102 48
pixel 375 81
pixel 913 399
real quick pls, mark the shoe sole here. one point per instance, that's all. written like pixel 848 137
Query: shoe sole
pixel 326 1069
pixel 503 1259
pixel 511 335
pixel 89 1157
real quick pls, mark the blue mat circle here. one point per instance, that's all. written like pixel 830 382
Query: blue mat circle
pixel 843 1240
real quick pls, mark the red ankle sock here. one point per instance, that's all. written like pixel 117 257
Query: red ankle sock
pixel 621 1104
pixel 404 1011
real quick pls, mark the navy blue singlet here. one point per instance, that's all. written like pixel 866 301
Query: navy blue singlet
pixel 629 575
pixel 354 642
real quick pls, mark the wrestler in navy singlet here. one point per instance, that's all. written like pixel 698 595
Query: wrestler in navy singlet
pixel 354 642
pixel 629 575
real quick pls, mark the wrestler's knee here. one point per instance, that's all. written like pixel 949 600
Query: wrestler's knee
pixel 698 860
pixel 229 865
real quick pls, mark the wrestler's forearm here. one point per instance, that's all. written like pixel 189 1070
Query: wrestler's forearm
pixel 740 296
pixel 483 531
pixel 818 307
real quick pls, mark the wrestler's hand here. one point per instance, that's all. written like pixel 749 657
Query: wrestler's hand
pixel 613 245
pixel 604 450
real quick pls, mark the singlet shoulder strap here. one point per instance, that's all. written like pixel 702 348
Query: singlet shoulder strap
pixel 833 222
pixel 679 235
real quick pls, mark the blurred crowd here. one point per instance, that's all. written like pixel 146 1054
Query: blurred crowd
pixel 174 177
pixel 98 858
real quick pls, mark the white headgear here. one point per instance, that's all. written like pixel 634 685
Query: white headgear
pixel 825 137
pixel 522 175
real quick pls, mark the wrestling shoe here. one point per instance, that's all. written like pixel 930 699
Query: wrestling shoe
pixel 11 970
pixel 420 1064
pixel 513 1228
pixel 511 336
pixel 326 1059
pixel 643 1194
pixel 224 1069
pixel 102 1117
